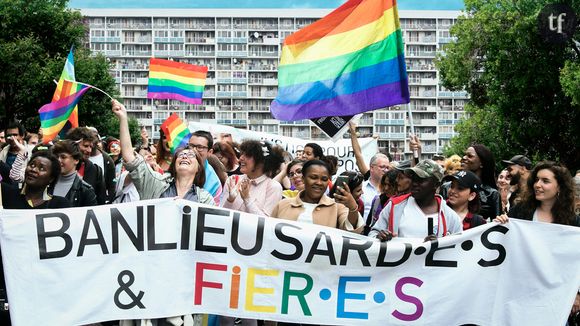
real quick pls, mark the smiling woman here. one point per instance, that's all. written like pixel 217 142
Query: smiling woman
pixel 314 207
pixel 186 178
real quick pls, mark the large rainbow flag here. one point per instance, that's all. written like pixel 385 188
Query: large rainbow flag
pixel 53 116
pixel 176 81
pixel 176 132
pixel 348 62
pixel 65 89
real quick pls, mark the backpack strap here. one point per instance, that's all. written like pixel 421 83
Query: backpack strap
pixel 442 217
pixel 395 201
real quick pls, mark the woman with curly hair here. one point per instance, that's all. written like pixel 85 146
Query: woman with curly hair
pixel 255 191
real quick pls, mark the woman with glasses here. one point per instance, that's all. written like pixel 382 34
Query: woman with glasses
pixel 186 170
pixel 294 173
pixel 314 207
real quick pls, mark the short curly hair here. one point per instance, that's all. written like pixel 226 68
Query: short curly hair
pixel 263 153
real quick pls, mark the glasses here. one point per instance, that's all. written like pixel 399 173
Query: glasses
pixel 295 174
pixel 186 155
pixel 382 167
pixel 12 135
pixel 198 147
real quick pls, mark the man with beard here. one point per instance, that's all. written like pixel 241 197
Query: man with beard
pixel 420 214
pixel 519 168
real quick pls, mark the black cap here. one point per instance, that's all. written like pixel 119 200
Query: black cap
pixel 519 160
pixel 465 179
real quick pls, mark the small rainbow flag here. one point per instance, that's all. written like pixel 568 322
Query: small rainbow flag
pixel 348 62
pixel 68 73
pixel 176 81
pixel 176 132
pixel 54 115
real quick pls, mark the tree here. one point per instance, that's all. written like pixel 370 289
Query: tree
pixel 522 100
pixel 35 38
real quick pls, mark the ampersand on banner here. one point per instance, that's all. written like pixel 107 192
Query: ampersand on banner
pixel 125 288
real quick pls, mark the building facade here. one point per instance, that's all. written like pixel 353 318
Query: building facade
pixel 242 48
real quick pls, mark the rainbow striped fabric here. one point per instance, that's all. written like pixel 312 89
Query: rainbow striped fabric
pixel 348 62
pixel 176 132
pixel 64 90
pixel 176 81
pixel 54 115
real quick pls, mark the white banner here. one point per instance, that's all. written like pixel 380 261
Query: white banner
pixel 341 149
pixel 170 257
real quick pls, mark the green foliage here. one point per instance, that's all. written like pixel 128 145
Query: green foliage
pixel 570 80
pixel 520 101
pixel 35 38
pixel 111 128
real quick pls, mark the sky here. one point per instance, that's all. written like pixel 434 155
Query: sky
pixel 402 4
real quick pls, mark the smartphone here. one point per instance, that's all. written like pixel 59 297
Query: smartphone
pixel 341 180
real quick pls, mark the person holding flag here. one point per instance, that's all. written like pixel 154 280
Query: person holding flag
pixel 186 171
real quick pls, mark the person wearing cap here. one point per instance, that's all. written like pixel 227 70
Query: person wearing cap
pixel 463 198
pixel 519 168
pixel 412 215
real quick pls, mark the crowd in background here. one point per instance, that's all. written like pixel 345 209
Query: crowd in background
pixel 382 199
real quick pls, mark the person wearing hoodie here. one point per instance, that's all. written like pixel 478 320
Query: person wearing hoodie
pixel 409 215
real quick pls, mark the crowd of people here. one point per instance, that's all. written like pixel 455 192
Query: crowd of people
pixel 384 199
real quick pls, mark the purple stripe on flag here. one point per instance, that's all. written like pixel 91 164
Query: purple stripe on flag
pixel 173 96
pixel 349 104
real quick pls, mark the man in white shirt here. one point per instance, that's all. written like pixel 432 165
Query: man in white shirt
pixel 379 164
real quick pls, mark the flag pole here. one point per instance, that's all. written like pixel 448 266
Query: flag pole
pixel 91 86
pixel 412 125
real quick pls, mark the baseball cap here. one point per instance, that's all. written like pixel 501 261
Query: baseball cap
pixel 427 169
pixel 402 165
pixel 465 179
pixel 519 160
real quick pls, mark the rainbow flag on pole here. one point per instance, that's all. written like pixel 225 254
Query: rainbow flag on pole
pixel 348 62
pixel 176 132
pixel 68 73
pixel 176 81
pixel 53 116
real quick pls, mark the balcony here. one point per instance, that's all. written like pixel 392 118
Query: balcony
pixel 418 26
pixel 239 80
pixel 445 40
pixel 390 122
pixel 136 26
pixel 304 122
pixel 461 94
pixel 236 122
pixel 427 54
pixel 224 94
pixel 224 80
pixel 392 135
pixel 240 94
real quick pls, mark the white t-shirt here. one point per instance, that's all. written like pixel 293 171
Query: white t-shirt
pixel 414 222
pixel 306 216
pixel 99 160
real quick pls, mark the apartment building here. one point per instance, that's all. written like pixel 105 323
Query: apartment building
pixel 241 47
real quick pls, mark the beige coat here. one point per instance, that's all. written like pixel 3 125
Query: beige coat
pixel 327 213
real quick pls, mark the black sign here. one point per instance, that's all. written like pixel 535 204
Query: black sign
pixel 556 23
pixel 332 126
